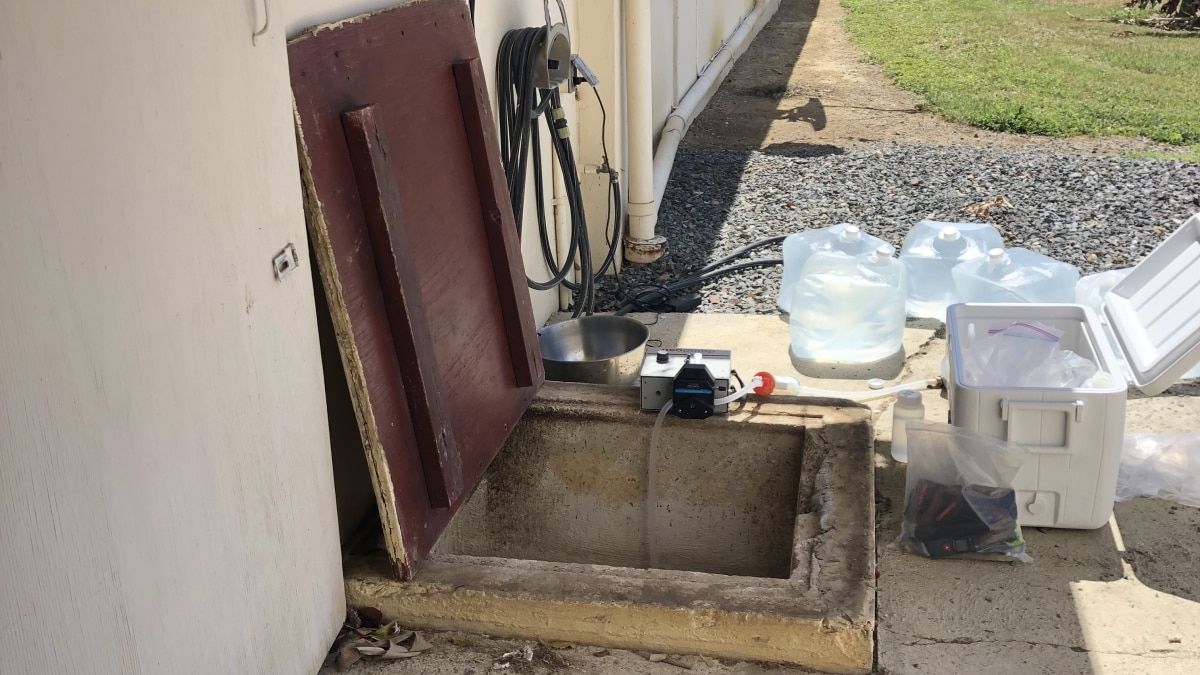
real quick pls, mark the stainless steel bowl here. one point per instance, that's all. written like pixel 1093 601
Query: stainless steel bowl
pixel 600 349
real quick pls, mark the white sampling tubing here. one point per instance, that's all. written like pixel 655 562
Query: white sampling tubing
pixel 652 489
pixel 790 389
pixel 868 395
pixel 754 382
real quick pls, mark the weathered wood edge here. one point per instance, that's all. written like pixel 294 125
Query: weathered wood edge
pixel 356 379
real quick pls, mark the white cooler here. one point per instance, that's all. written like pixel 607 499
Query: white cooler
pixel 1075 435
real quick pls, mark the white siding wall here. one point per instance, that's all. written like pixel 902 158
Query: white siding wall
pixel 166 498
pixel 689 34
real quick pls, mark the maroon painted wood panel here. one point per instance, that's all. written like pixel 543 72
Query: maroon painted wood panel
pixel 414 234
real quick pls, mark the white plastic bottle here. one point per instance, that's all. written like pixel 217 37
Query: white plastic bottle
pixel 909 407
pixel 843 239
pixel 1016 275
pixel 849 310
pixel 931 250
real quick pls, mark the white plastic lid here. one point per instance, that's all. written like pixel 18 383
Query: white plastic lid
pixel 882 253
pixel 908 398
pixel 851 233
pixel 997 256
pixel 949 233
pixel 1155 311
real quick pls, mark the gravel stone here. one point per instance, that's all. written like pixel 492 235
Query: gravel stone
pixel 1097 213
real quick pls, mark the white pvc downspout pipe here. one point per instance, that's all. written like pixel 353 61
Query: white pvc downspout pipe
pixel 641 245
pixel 646 188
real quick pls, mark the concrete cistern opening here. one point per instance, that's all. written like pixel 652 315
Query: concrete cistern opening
pixel 576 493
pixel 765 534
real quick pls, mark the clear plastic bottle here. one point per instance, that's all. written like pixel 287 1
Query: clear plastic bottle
pixel 844 239
pixel 909 407
pixel 931 250
pixel 849 310
pixel 1016 275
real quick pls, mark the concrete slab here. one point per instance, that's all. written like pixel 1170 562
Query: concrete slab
pixel 1122 599
pixel 1087 603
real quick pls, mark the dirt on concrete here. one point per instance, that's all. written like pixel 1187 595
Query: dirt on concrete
pixel 803 86
pixel 471 654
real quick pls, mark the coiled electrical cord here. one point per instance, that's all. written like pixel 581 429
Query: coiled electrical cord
pixel 520 104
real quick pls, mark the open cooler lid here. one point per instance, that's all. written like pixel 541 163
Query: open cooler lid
pixel 1155 311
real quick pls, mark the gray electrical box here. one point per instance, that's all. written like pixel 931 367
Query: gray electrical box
pixel 660 367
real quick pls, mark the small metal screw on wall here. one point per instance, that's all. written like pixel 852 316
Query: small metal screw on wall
pixel 285 262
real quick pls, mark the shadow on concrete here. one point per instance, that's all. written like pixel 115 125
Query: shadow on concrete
pixel 1161 542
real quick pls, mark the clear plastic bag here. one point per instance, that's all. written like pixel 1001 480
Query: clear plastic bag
pixel 1025 354
pixel 958 495
pixel 1166 466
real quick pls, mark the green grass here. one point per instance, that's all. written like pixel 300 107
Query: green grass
pixel 1028 67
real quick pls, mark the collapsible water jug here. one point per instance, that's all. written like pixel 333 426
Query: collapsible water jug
pixel 849 309
pixel 1016 275
pixel 843 239
pixel 930 251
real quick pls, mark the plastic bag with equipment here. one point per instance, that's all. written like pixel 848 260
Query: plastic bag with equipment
pixel 1026 354
pixel 958 496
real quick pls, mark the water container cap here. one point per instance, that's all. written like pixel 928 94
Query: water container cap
pixel 851 233
pixel 949 233
pixel 882 253
pixel 997 256
pixel 909 398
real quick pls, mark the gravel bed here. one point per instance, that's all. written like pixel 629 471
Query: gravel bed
pixel 1097 213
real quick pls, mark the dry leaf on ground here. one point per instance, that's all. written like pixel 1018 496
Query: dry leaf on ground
pixel 984 209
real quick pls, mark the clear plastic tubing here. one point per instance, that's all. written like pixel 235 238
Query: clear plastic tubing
pixel 790 386
pixel 652 469
pixel 869 395
pixel 759 383
pixel 652 488
pixel 755 382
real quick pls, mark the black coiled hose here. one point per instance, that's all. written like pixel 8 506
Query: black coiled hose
pixel 520 104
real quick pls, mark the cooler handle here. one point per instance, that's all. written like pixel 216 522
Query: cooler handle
pixel 1073 410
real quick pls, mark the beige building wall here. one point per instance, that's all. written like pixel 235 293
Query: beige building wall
pixel 166 498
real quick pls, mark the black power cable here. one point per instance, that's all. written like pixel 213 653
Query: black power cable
pixel 655 299
pixel 520 104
